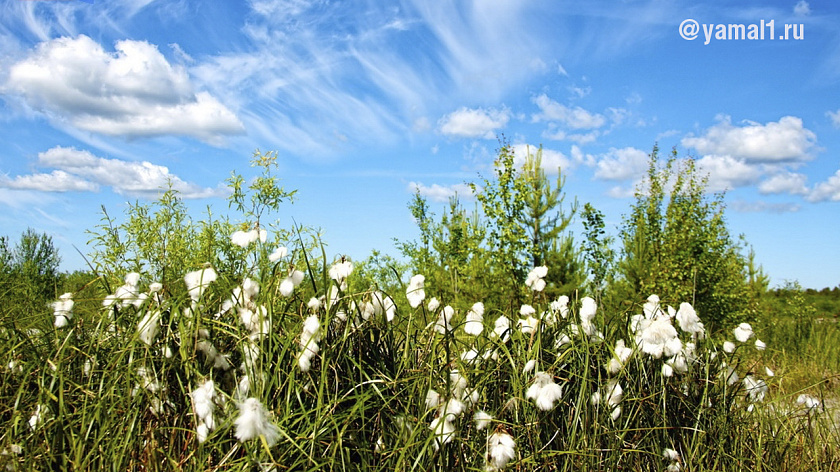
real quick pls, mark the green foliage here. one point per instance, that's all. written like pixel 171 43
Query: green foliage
pixel 676 244
pixel 503 204
pixel 597 249
pixel 161 240
pixel 29 275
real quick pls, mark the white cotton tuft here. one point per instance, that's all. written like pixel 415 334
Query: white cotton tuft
pixel 501 328
pixel 544 391
pixel 415 291
pixel 444 321
pixel 482 419
pixel 149 326
pixel 728 347
pixel 341 270
pixel 434 304
pixel 759 344
pixel 278 254
pixel 501 449
pixel 743 332
pixel 63 310
pixel 198 281
pixel 253 421
pixel 475 320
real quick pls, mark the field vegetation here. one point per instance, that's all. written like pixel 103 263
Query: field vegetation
pixel 495 340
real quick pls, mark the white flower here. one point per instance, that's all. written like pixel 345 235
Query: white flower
pixel 341 270
pixel 657 337
pixel 470 356
pixel 243 238
pixel 501 328
pixel 769 372
pixel 743 332
pixel 667 370
pixel 278 254
pixel 38 417
pixel 728 347
pixel 443 430
pixel 527 310
pixel 415 291
pixel 198 281
pixel 287 285
pixel 432 399
pixel 809 402
pixel 383 304
pixel 253 422
pixel 670 455
pixel 535 281
pixel 149 326
pixel 434 304
pixel 313 304
pixel 203 407
pixel 63 310
pixel 443 324
pixel 544 391
pixel 309 337
pixel 756 388
pixel 482 419
pixel 561 306
pixel 529 366
pixel 529 324
pixel 651 308
pixel 760 345
pixel 689 321
pixel 500 450
pixel 475 320
pixel 588 309
pixel 622 353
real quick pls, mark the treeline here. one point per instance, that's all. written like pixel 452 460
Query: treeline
pixel 673 242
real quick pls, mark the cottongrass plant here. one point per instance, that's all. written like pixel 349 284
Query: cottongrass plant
pixel 283 368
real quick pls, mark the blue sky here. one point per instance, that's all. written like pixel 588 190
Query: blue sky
pixel 102 102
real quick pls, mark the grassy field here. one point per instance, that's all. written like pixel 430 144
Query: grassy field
pixel 292 371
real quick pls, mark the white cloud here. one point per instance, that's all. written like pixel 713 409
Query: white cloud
pixel 441 193
pixel 835 117
pixel 783 141
pixel 621 164
pixel 551 159
pixel 743 206
pixel 801 8
pixel 55 181
pixel 474 123
pixel 785 183
pixel 77 170
pixel 826 191
pixel 727 172
pixel 132 92
pixel 570 117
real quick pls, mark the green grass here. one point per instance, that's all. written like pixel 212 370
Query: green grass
pixel 361 405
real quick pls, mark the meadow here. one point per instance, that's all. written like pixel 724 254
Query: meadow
pixel 241 346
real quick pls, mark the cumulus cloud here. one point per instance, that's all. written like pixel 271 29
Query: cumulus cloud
pixel 783 141
pixel 474 122
pixel 569 117
pixel 727 172
pixel 801 8
pixel 743 206
pixel 785 183
pixel 550 161
pixel 835 117
pixel 626 163
pixel 826 191
pixel 131 92
pixel 441 193
pixel 81 171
